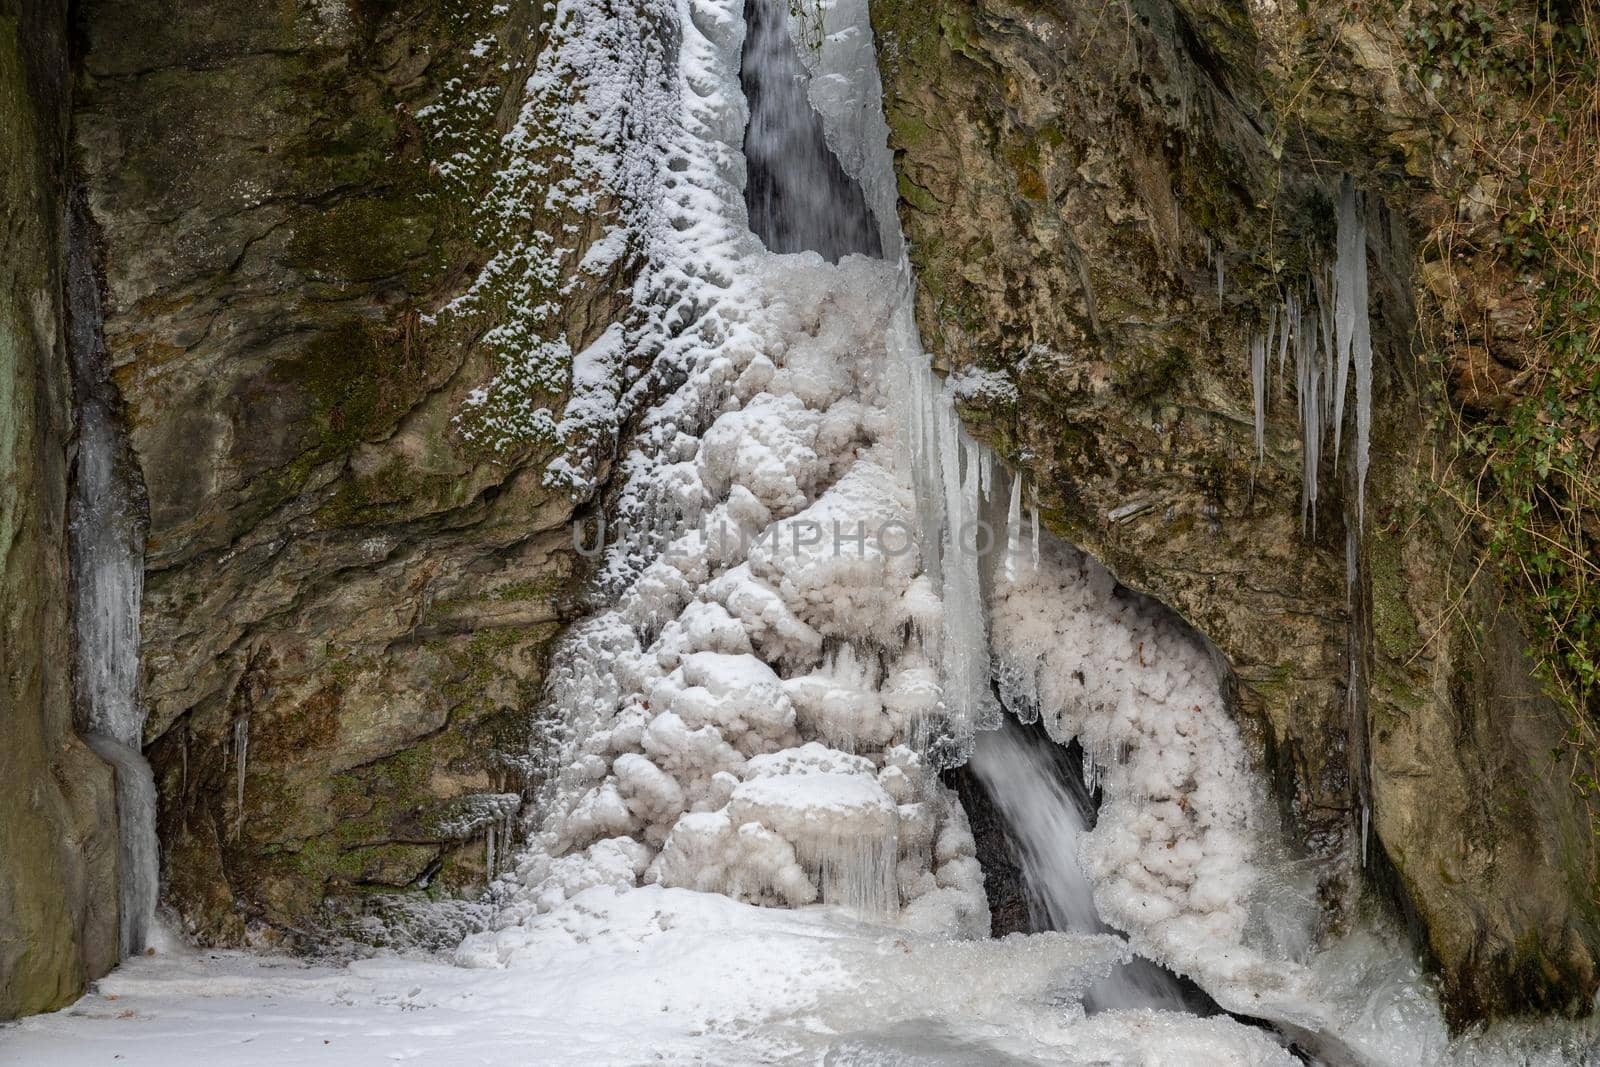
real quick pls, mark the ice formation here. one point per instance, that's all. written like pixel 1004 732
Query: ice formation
pixel 107 542
pixel 1327 326
pixel 749 717
pixel 798 637
pixel 1170 858
pixel 804 600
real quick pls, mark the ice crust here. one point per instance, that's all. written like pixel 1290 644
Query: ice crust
pixel 745 719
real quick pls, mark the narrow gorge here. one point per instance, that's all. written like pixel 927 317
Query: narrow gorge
pixel 798 531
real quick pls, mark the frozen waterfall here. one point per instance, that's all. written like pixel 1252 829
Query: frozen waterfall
pixel 833 594
pixel 804 643
pixel 107 543
pixel 827 603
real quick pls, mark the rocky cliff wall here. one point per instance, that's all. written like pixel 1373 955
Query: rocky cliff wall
pixel 349 595
pixel 58 827
pixel 1105 202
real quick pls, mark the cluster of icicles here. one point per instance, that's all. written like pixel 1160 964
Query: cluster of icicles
pixel 763 711
pixel 1328 328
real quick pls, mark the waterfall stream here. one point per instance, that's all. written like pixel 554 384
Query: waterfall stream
pixel 800 198
pixel 1046 811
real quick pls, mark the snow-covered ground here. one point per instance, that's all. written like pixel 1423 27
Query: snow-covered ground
pixel 656 975
pixel 643 976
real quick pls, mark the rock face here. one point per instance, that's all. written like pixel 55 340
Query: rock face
pixel 1105 202
pixel 348 600
pixel 58 829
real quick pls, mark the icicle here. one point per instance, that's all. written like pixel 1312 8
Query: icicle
pixel 1365 832
pixel 1309 385
pixel 1353 325
pixel 241 745
pixel 1351 565
pixel 507 838
pixel 490 854
pixel 1033 516
pixel 1258 392
pixel 1349 280
pixel 1335 313
pixel 1363 358
pixel 1014 528
pixel 1288 318
pixel 856 872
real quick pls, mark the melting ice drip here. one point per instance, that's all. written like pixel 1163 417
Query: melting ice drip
pixel 108 576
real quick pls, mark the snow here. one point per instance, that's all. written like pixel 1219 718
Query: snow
pixel 986 386
pixel 649 975
pixel 673 976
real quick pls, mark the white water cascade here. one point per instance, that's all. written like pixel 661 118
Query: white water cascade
pixel 800 198
pixel 1045 813
pixel 107 544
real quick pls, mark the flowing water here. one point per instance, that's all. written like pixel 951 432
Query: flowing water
pixel 1046 809
pixel 800 198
